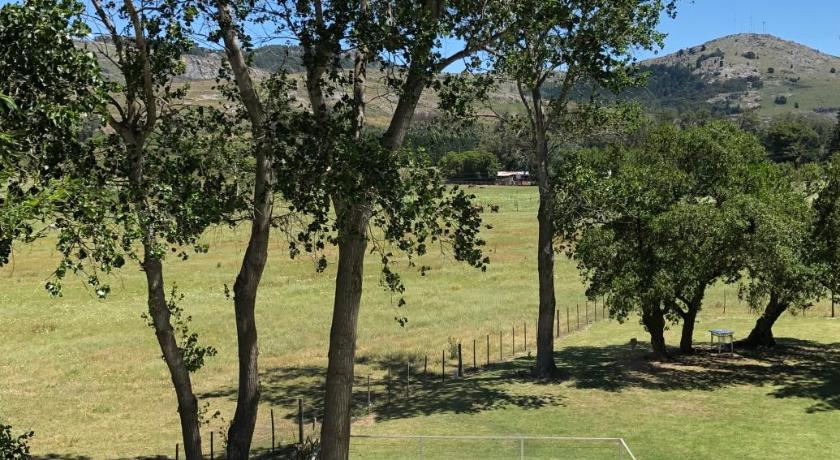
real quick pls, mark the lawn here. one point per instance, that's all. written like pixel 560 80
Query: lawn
pixel 86 375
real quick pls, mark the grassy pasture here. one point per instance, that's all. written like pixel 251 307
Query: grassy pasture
pixel 86 374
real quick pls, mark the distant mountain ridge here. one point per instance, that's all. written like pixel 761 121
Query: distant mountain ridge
pixel 757 71
pixel 726 75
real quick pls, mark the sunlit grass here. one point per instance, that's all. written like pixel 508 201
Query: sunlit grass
pixel 86 374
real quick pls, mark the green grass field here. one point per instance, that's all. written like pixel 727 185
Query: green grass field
pixel 86 374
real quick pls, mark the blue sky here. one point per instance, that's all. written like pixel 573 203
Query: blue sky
pixel 815 23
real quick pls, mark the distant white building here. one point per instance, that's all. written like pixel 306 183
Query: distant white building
pixel 513 178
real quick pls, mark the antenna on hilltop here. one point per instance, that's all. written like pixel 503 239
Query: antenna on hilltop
pixel 764 27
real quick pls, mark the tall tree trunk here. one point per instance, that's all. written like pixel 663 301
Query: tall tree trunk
pixel 654 321
pixel 241 429
pixel 687 337
pixel 159 312
pixel 352 242
pixel 545 366
pixel 762 334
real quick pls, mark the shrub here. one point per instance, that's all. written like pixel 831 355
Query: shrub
pixel 795 105
pixel 780 99
pixel 750 55
pixel 469 165
pixel 14 447
pixel 771 70
pixel 833 70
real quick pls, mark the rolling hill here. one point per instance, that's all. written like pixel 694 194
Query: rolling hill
pixel 756 71
pixel 725 76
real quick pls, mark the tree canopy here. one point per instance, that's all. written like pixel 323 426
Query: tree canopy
pixel 652 226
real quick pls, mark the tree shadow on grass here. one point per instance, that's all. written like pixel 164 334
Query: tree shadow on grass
pixel 794 368
pixel 392 398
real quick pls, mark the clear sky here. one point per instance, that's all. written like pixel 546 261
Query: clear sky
pixel 815 23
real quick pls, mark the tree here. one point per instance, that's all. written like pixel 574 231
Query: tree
pixel 834 142
pixel 14 447
pixel 367 178
pixel 826 230
pixel 41 118
pixel 247 283
pixel 560 44
pixel 791 139
pixel 779 262
pixel 653 226
pixel 148 184
pixel 469 165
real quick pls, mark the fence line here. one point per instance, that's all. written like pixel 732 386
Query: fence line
pixel 622 445
pixel 370 399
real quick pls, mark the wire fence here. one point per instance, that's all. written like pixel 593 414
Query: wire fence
pixel 406 380
pixel 488 447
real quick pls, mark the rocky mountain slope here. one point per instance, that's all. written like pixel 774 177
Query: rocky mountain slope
pixel 726 75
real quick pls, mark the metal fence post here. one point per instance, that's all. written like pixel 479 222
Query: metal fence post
pixel 525 331
pixel 422 454
pixel 475 364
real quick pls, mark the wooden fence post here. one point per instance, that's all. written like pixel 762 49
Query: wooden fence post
pixel 212 454
pixel 407 379
pixel 568 324
pixel 558 322
pixel 300 421
pixel 177 451
pixel 577 309
pixel 460 362
pixel 500 346
pixel 443 366
pixel 388 384
pixel 475 364
pixel 525 331
pixel 425 362
pixel 586 317
pixel 368 391
pixel 272 430
pixel 488 349
pixel 595 309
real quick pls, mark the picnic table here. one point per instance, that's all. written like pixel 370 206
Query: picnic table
pixel 722 337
